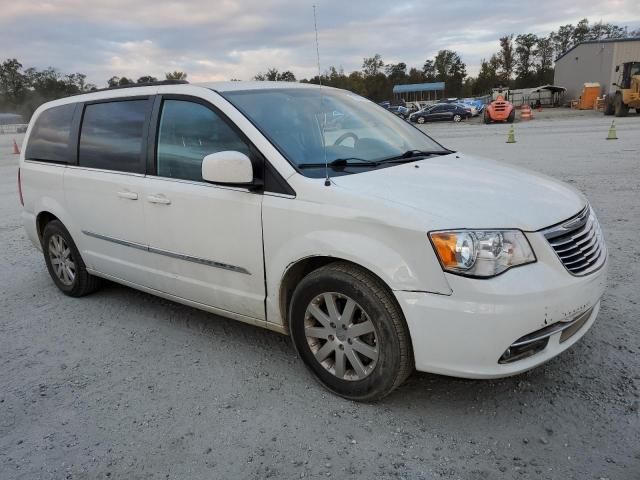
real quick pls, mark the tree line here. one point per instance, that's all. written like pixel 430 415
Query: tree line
pixel 521 61
pixel 23 90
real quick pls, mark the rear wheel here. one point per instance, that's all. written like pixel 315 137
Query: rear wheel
pixel 621 110
pixel 420 120
pixel 349 330
pixel 486 117
pixel 65 265
pixel 511 116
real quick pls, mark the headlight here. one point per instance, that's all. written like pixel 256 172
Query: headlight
pixel 481 253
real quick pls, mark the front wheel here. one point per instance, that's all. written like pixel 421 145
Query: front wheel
pixel 420 120
pixel 609 108
pixel 621 110
pixel 457 118
pixel 349 330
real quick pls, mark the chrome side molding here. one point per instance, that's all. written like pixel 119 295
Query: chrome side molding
pixel 166 253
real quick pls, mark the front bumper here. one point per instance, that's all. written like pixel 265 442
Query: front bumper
pixel 465 334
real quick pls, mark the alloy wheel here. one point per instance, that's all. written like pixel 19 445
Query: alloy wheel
pixel 61 259
pixel 341 336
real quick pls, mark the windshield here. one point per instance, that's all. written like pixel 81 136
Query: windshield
pixel 307 124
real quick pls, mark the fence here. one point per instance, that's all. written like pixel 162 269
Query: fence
pixel 13 128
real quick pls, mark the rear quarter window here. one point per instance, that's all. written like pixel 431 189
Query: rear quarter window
pixel 50 137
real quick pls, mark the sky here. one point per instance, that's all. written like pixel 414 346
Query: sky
pixel 225 39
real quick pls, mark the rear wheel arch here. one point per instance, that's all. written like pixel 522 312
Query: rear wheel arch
pixel 42 220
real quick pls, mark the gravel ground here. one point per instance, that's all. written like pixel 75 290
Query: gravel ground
pixel 121 384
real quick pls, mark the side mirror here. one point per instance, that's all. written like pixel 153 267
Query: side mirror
pixel 227 167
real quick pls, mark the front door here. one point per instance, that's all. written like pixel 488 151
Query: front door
pixel 206 239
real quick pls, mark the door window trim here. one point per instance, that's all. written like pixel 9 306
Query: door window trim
pixel 77 131
pixel 260 163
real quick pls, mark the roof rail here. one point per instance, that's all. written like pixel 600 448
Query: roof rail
pixel 132 85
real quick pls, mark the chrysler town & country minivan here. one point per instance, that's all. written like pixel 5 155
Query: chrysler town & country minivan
pixel 313 212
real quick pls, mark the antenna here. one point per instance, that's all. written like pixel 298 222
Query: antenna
pixel 327 181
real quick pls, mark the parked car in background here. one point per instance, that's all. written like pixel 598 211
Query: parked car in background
pixel 399 110
pixel 448 100
pixel 441 112
pixel 469 108
pixel 479 106
pixel 374 247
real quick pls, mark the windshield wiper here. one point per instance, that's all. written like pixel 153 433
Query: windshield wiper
pixel 342 162
pixel 413 155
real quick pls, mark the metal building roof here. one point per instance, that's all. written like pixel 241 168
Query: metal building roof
pixel 419 87
pixel 604 40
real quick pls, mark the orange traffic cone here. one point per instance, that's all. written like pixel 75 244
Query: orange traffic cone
pixel 16 150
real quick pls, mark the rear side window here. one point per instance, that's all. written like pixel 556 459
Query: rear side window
pixel 49 139
pixel 189 132
pixel 112 136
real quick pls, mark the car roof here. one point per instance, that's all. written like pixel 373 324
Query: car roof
pixel 153 89
pixel 252 85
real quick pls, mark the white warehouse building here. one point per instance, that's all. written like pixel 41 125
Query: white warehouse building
pixel 594 61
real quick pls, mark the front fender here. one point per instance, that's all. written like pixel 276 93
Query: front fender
pixel 401 257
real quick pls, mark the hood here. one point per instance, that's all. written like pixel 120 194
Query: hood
pixel 464 191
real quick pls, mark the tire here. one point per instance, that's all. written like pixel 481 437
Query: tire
pixel 58 246
pixel 621 110
pixel 486 117
pixel 382 335
pixel 609 108
pixel 457 118
pixel 511 116
pixel 420 120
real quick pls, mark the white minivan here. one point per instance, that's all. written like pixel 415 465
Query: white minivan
pixel 314 212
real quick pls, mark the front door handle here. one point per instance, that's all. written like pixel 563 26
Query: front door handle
pixel 127 194
pixel 159 199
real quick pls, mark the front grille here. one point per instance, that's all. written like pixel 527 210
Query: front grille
pixel 579 243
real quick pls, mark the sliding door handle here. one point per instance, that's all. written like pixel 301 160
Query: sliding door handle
pixel 129 195
pixel 159 199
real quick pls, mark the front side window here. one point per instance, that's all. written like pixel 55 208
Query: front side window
pixel 111 136
pixel 49 139
pixel 309 125
pixel 189 132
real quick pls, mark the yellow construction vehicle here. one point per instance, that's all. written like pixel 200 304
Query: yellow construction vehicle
pixel 627 93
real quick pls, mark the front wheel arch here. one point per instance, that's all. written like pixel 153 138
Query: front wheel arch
pixel 303 267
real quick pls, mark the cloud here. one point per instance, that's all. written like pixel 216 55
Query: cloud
pixel 238 38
